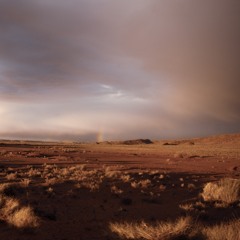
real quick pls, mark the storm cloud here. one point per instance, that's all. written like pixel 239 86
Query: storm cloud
pixel 125 69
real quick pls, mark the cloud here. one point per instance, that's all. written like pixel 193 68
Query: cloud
pixel 133 68
pixel 53 45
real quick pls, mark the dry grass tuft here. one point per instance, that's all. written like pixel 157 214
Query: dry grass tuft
pixel 9 205
pixel 184 228
pixel 146 231
pixel 116 190
pixel 125 178
pixel 141 184
pixel 25 182
pixel 187 206
pixel 11 210
pixel 23 218
pixel 111 173
pixel 227 231
pixel 197 206
pixel 11 176
pixel 226 190
pixel 12 213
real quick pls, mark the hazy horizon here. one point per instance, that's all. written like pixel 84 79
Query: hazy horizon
pixel 87 70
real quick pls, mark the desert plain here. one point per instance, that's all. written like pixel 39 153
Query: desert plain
pixel 138 189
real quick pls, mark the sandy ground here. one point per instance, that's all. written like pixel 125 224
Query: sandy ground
pixel 124 183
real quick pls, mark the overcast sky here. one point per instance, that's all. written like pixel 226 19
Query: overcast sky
pixel 119 69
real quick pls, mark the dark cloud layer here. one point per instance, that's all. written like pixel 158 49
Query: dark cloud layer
pixel 123 68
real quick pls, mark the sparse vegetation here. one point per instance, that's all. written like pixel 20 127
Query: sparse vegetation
pixel 226 191
pixel 23 218
pixel 13 213
pixel 60 193
pixel 11 176
pixel 184 228
pixel 116 190
pixel 161 230
pixel 223 231
pixel 141 184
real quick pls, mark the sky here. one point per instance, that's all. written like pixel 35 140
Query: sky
pixel 87 70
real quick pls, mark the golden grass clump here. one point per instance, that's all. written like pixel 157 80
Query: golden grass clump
pixel 9 205
pixel 23 218
pixel 227 191
pixel 11 210
pixel 223 231
pixel 20 217
pixel 11 176
pixel 110 173
pixel 116 190
pixel 146 231
pixel 125 178
pixel 183 228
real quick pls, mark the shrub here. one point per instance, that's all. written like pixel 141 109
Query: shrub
pixel 23 218
pixel 226 231
pixel 146 231
pixel 9 205
pixel 226 190
pixel 11 176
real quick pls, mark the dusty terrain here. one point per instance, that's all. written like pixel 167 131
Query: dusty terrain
pixel 77 190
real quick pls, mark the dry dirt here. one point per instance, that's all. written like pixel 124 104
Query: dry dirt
pixel 78 189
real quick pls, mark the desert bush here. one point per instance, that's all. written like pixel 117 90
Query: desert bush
pixel 49 166
pixel 145 183
pixel 135 184
pixel 33 173
pixel 226 190
pixel 65 172
pixel 183 228
pixel 161 230
pixel 116 190
pixel 187 206
pixel 141 184
pixel 224 231
pixel 125 178
pixel 11 176
pixel 3 187
pixel 9 205
pixel 25 182
pixel 12 213
pixel 52 181
pixel 112 174
pixel 81 167
pixel 23 218
pixel 91 185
